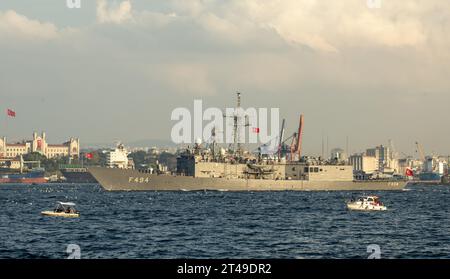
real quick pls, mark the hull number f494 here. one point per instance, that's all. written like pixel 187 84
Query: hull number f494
pixel 138 179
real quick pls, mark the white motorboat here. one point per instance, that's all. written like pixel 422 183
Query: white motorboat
pixel 367 203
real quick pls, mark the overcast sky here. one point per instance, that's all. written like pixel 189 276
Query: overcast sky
pixel 116 69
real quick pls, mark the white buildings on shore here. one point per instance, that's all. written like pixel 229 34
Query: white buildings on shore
pixel 435 164
pixel 40 145
pixel 380 159
pixel 364 163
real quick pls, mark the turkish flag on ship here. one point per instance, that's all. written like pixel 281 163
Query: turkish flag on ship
pixel 256 130
pixel 89 155
pixel 11 113
pixel 409 172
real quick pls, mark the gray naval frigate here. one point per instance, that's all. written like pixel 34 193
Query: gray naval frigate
pixel 233 169
pixel 240 177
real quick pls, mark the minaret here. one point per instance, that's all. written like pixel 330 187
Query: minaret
pixel 3 147
pixel 44 144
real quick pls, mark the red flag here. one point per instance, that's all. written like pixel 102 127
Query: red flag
pixel 11 113
pixel 409 172
pixel 256 130
pixel 89 155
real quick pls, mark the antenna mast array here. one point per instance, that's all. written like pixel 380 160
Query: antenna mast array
pixel 236 146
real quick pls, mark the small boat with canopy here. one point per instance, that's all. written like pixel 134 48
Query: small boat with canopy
pixel 63 209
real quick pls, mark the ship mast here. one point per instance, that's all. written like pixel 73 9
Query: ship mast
pixel 213 149
pixel 236 130
pixel 236 146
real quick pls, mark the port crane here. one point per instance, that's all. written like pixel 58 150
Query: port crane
pixel 420 151
pixel 296 142
pixel 280 143
pixel 296 145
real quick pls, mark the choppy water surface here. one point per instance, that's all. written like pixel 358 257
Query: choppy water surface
pixel 222 224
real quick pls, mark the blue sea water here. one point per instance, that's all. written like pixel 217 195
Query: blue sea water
pixel 222 224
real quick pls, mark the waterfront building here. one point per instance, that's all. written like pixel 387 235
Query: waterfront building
pixel 435 164
pixel 383 155
pixel 39 144
pixel 364 163
pixel 387 163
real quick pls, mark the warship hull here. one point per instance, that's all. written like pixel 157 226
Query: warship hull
pixel 133 180
pixel 80 176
